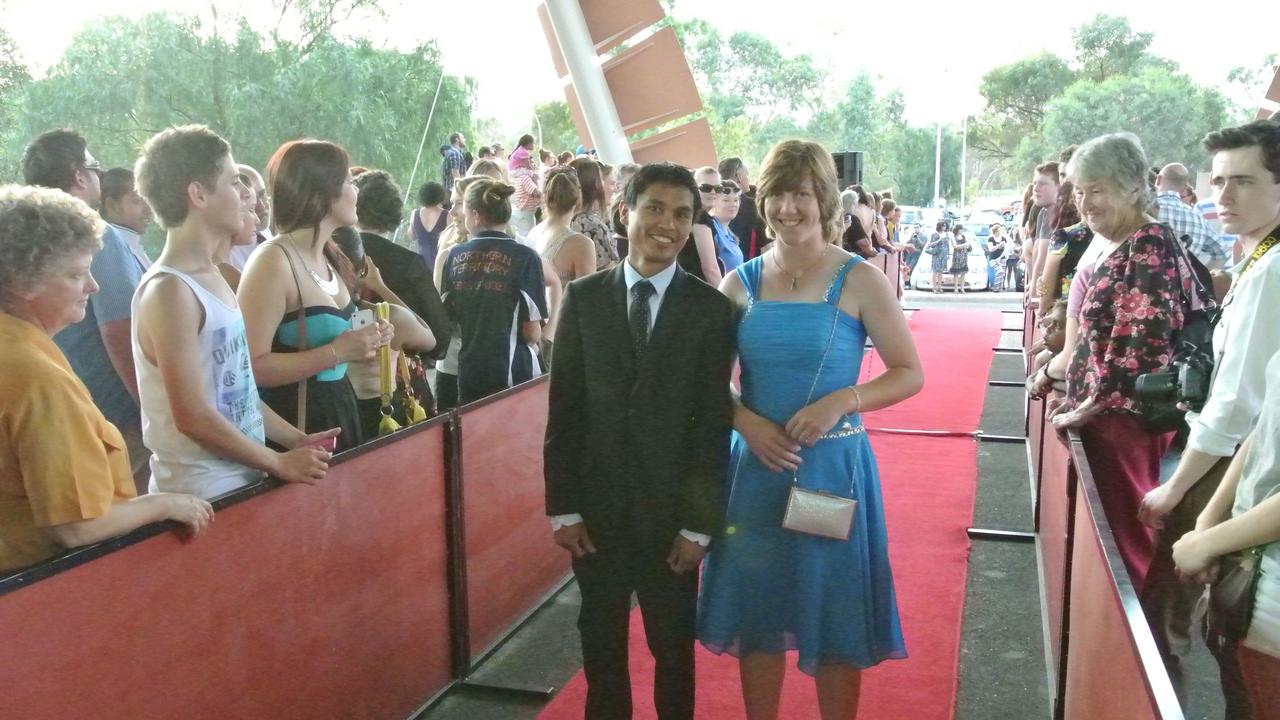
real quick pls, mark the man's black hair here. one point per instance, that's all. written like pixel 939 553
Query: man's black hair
pixel 51 160
pixel 1263 133
pixel 431 193
pixel 116 183
pixel 379 202
pixel 663 173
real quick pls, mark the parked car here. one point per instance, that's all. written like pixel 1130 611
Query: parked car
pixel 980 276
pixel 911 215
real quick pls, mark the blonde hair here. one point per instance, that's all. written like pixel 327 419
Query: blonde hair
pixel 790 163
pixel 490 200
pixel 487 168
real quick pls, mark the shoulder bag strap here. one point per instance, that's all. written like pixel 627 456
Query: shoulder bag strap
pixel 302 340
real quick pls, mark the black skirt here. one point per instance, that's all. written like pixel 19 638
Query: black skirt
pixel 330 404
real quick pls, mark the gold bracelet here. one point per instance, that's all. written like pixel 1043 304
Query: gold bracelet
pixel 857 397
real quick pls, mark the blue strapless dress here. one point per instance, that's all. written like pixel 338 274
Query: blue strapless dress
pixel 766 589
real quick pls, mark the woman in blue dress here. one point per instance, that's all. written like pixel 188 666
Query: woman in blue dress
pixel 807 308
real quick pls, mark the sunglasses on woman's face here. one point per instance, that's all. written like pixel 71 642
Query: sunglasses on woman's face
pixel 714 189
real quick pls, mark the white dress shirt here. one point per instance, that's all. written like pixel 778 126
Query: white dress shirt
pixel 1245 338
pixel 661 281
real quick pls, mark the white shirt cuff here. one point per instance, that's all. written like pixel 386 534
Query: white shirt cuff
pixel 1205 439
pixel 693 537
pixel 559 521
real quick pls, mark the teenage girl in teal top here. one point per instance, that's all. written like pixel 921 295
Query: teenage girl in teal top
pixel 312 192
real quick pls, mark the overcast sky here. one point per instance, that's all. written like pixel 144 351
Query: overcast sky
pixel 935 52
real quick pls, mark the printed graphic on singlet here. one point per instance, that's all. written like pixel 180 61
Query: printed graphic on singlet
pixel 237 394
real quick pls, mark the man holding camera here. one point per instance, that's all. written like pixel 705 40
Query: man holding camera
pixel 1246 183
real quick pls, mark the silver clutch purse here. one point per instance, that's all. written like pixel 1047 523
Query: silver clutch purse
pixel 818 513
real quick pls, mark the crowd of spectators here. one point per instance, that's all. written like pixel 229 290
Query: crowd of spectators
pixel 249 345
pixel 1160 344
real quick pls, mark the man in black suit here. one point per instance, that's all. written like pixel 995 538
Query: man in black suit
pixel 379 210
pixel 637 444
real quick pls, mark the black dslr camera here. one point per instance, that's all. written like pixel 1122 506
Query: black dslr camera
pixel 1186 381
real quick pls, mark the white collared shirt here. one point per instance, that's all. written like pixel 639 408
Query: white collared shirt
pixel 134 241
pixel 661 281
pixel 1245 338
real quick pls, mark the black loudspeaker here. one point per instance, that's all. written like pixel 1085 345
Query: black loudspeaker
pixel 848 167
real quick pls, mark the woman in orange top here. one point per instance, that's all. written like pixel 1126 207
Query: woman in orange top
pixel 65 478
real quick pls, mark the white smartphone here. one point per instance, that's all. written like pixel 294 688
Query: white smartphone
pixel 361 318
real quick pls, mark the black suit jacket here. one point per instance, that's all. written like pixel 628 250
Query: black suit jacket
pixel 640 448
pixel 748 225
pixel 407 275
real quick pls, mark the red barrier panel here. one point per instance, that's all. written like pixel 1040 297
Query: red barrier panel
pixel 1030 335
pixel 1037 428
pixel 511 561
pixel 1113 669
pixel 305 602
pixel 1057 493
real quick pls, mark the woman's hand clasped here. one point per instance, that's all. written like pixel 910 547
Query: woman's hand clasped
pixel 811 421
pixel 771 445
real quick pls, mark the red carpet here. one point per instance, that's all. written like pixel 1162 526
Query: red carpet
pixel 929 485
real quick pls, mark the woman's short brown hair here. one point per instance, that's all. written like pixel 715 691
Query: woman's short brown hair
pixel 491 200
pixel 40 227
pixel 790 163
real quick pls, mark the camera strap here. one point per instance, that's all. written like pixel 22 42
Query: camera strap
pixel 1259 251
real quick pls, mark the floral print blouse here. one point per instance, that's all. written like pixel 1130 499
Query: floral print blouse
pixel 591 225
pixel 1137 301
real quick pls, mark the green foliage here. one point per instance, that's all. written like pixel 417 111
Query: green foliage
pixel 120 81
pixel 1107 46
pixel 909 164
pixel 14 79
pixel 1018 92
pixel 1041 104
pixel 747 74
pixel 1254 81
pixel 1166 110
pixel 558 131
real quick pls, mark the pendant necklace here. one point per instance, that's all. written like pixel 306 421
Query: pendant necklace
pixel 795 279
pixel 330 286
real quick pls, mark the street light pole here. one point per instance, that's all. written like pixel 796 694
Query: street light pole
pixel 964 151
pixel 937 166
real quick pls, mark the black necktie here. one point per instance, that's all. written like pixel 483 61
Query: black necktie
pixel 638 316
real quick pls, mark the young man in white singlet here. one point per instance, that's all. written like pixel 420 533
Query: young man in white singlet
pixel 202 417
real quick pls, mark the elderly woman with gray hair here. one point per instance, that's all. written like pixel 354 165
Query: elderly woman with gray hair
pixel 65 477
pixel 1135 301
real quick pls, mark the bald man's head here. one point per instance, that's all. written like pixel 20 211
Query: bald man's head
pixel 261 202
pixel 1173 177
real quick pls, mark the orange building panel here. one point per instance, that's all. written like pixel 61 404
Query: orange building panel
pixel 610 23
pixel 689 145
pixel 651 83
